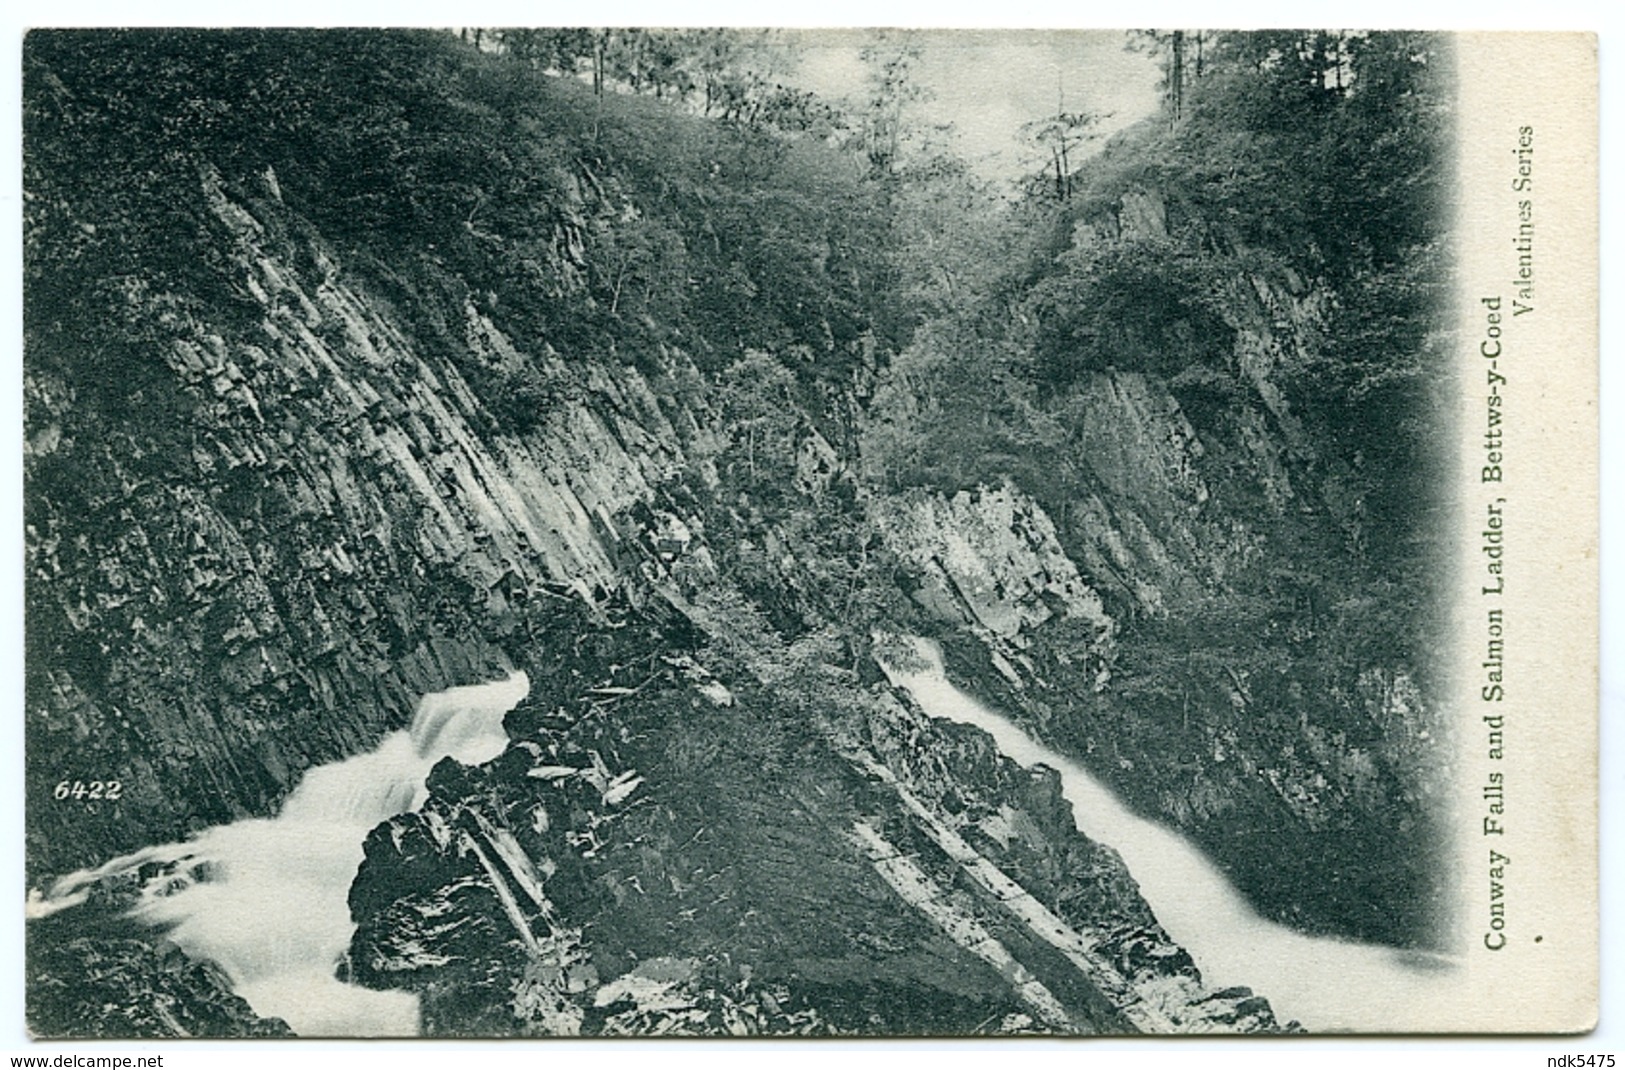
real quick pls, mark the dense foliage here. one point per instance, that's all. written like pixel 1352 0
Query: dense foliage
pixel 1306 166
pixel 601 222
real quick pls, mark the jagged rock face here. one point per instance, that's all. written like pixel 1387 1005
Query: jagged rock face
pixel 1146 611
pixel 1185 678
pixel 119 988
pixel 336 527
pixel 1144 538
pixel 696 859
pixel 989 559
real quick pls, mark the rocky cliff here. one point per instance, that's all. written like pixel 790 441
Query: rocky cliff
pixel 343 529
pixel 1184 580
pixel 577 386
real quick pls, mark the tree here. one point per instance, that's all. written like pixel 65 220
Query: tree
pixel 552 50
pixel 757 396
pixel 890 90
pixel 1183 61
pixel 1059 136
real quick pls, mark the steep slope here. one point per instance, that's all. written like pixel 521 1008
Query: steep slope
pixel 272 473
pixel 384 365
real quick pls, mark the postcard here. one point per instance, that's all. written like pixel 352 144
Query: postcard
pixel 716 532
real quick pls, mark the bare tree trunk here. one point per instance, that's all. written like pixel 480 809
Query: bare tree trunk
pixel 1176 76
pixel 1066 171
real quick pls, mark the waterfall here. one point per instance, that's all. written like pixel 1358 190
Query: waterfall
pixel 1327 984
pixel 267 898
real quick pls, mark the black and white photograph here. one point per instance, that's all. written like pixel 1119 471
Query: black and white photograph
pixel 724 532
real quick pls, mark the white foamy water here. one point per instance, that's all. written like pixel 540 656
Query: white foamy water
pixel 1326 984
pixel 267 898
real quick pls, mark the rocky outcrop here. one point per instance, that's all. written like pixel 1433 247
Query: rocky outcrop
pixel 681 855
pixel 991 561
pixel 1205 679
pixel 527 895
pixel 96 988
pixel 343 529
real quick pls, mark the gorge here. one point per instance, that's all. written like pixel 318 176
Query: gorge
pixel 392 364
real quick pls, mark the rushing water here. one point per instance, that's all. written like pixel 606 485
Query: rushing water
pixel 267 898
pixel 1326 984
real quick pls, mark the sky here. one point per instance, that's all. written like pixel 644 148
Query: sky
pixel 988 83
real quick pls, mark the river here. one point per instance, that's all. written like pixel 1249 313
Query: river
pixel 1328 985
pixel 267 898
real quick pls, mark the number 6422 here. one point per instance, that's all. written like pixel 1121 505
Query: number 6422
pixel 96 789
